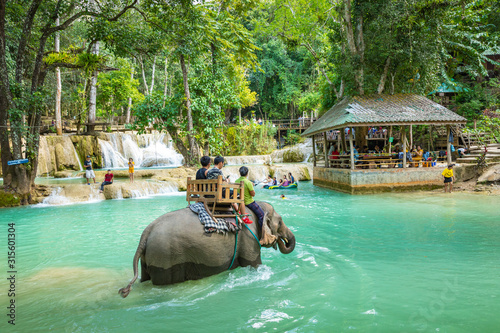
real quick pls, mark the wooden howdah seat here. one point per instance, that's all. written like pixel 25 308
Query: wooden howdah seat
pixel 216 195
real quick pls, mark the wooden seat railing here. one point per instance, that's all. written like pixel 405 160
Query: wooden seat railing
pixel 216 195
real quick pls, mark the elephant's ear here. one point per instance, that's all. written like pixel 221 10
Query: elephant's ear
pixel 267 239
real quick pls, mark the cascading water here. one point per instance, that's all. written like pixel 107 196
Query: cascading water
pixel 147 150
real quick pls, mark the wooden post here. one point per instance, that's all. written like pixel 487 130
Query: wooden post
pixel 327 164
pixel 314 151
pixel 448 144
pixel 411 137
pixel 351 145
pixel 342 136
pixel 403 132
pixel 390 143
pixel 279 139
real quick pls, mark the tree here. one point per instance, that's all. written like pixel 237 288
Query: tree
pixel 115 88
pixel 24 36
pixel 198 33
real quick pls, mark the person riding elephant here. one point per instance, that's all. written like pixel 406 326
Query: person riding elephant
pixel 174 247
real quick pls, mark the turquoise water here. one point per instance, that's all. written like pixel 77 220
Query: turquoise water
pixel 382 263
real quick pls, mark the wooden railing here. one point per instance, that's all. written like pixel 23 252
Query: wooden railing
pixel 374 161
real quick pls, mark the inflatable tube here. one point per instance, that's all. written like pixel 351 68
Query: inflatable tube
pixel 276 187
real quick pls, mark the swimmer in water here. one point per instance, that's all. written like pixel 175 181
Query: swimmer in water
pixel 283 197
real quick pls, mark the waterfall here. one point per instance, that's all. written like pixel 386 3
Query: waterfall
pixel 78 159
pixel 57 153
pixel 147 150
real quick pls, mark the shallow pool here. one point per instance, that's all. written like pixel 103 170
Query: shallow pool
pixel 379 263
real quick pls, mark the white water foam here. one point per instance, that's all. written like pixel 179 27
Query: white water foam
pixel 269 316
pixel 55 199
pixel 147 150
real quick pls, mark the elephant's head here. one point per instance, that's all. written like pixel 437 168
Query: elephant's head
pixel 280 233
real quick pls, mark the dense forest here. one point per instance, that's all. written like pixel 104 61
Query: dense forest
pixel 192 68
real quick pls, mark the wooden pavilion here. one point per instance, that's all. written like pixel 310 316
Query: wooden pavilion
pixel 403 110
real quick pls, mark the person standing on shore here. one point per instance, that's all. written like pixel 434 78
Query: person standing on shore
pixel 448 178
pixel 131 169
pixel 89 173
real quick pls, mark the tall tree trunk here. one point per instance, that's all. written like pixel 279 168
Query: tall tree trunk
pixel 129 105
pixel 383 78
pixel 93 94
pixel 165 88
pixel 153 76
pixel 356 45
pixel 361 133
pixel 146 90
pixel 193 147
pixel 5 102
pixel 58 87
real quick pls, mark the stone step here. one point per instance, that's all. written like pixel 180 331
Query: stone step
pixel 470 159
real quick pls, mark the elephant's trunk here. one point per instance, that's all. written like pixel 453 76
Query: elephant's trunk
pixel 286 245
pixel 138 253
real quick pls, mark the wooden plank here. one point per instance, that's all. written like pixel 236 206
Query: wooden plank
pixel 314 151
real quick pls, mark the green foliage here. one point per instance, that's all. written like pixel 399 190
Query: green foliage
pixel 487 126
pixel 292 138
pixel 115 87
pixel 249 139
pixel 88 62
pixel 211 93
pixel 282 79
pixel 8 199
pixel 476 98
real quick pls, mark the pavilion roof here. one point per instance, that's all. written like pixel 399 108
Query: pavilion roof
pixel 384 110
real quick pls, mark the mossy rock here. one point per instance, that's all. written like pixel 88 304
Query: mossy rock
pixel 293 156
pixel 8 199
pixel 88 145
pixel 63 174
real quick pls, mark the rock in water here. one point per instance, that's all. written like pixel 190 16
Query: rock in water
pixel 293 156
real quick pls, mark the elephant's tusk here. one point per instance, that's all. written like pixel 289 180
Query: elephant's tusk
pixel 286 240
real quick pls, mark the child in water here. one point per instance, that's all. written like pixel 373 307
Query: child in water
pixel 283 197
pixel 131 169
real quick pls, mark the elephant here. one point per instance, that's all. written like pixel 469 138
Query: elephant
pixel 175 248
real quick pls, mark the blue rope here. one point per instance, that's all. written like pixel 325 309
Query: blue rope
pixel 235 246
pixel 236 240
pixel 260 246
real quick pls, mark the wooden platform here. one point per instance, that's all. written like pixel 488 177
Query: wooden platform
pixel 218 197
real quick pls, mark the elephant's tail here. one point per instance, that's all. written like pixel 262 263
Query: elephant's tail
pixel 138 253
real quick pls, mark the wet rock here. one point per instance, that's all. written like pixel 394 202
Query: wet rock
pixel 88 145
pixel 293 156
pixel 9 199
pixel 63 174
pixel 490 175
pixel 299 171
pixel 113 191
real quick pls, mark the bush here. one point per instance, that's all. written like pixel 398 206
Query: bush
pixel 249 139
pixel 293 138
pixel 8 199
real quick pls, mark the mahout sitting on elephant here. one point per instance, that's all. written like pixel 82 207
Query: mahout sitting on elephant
pixel 174 247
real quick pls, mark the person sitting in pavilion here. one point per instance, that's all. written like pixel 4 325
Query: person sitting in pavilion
pixel 419 153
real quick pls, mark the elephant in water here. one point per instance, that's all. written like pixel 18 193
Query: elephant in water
pixel 175 248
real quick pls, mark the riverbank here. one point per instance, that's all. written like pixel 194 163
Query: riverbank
pixel 148 182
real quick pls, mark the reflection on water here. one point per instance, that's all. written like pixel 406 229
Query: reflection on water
pixel 379 263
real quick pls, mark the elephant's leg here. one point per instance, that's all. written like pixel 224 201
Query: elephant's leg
pixel 183 272
pixel 144 272
pixel 254 263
